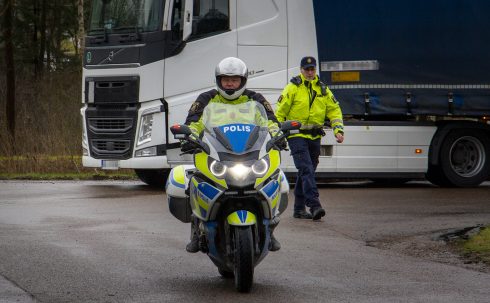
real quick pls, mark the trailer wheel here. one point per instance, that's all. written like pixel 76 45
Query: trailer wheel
pixel 153 177
pixel 464 158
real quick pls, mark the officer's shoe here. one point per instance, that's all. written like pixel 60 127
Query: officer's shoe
pixel 302 214
pixel 193 246
pixel 317 213
pixel 274 245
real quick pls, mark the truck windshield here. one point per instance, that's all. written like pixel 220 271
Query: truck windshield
pixel 119 16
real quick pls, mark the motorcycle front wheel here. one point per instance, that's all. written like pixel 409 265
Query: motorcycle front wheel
pixel 243 258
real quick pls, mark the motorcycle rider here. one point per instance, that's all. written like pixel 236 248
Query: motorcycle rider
pixel 231 78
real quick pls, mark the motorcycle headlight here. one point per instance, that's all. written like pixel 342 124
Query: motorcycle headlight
pixel 239 171
pixel 260 167
pixel 217 168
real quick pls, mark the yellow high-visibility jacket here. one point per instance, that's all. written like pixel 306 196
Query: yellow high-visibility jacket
pixel 194 117
pixel 309 102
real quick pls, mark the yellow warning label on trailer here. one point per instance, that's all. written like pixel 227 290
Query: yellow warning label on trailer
pixel 346 76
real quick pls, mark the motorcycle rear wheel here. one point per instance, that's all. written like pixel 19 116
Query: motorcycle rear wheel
pixel 243 257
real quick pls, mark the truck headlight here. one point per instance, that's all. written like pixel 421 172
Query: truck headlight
pixel 146 127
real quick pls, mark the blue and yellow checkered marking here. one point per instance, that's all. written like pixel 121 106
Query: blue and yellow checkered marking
pixel 241 218
pixel 178 176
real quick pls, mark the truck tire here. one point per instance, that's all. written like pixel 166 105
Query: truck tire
pixel 436 176
pixel 153 177
pixel 464 158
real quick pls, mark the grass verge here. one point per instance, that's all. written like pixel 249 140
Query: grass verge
pixel 477 247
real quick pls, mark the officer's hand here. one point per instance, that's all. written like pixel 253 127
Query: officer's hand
pixel 339 137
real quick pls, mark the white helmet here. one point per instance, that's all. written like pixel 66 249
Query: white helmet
pixel 231 66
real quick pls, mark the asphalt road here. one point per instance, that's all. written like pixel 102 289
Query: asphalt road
pixel 117 242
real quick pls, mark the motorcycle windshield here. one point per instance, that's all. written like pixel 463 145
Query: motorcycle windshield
pixel 235 125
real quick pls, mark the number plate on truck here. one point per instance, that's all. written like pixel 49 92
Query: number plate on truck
pixel 109 164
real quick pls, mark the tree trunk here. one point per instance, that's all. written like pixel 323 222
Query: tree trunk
pixel 10 67
pixel 42 42
pixel 81 30
pixel 35 39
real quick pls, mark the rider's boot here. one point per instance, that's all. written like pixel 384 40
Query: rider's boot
pixel 193 245
pixel 274 245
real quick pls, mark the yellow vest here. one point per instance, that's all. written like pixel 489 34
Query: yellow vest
pixel 306 102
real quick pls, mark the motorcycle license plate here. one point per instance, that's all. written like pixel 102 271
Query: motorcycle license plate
pixel 109 164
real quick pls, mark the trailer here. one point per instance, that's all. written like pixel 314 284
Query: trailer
pixel 412 78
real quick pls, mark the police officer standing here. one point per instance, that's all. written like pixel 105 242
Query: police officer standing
pixel 309 101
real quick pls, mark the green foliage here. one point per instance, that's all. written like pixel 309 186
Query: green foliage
pixel 479 245
pixel 45 34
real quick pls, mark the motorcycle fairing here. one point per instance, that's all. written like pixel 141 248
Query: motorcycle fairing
pixel 202 197
pixel 236 135
pixel 201 163
pixel 241 218
pixel 275 161
pixel 178 181
pixel 271 192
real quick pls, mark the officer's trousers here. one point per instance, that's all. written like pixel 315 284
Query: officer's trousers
pixel 305 153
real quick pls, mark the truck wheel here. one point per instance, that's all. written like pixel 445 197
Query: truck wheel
pixel 153 177
pixel 464 158
pixel 436 176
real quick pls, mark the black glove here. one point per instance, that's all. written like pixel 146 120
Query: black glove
pixel 282 144
pixel 187 146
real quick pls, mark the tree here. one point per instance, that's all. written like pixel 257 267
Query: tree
pixel 9 64
pixel 81 31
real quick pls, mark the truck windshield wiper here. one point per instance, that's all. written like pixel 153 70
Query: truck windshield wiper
pixel 97 38
pixel 130 30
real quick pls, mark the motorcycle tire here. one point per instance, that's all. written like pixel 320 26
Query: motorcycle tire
pixel 225 273
pixel 243 258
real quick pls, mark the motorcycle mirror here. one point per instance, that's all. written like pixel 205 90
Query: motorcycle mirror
pixel 290 125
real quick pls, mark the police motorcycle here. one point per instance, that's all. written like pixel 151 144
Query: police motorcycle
pixel 235 190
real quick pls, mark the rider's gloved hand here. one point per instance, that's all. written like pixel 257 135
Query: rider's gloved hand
pixel 281 143
pixel 186 146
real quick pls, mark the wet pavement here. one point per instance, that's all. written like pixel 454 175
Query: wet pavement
pixel 117 242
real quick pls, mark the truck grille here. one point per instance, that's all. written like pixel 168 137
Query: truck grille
pixel 111 130
pixel 111 146
pixel 110 125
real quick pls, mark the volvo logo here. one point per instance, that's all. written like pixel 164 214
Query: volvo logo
pixel 111 56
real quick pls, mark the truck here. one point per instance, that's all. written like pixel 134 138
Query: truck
pixel 412 78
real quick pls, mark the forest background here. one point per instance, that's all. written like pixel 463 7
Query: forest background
pixel 41 46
